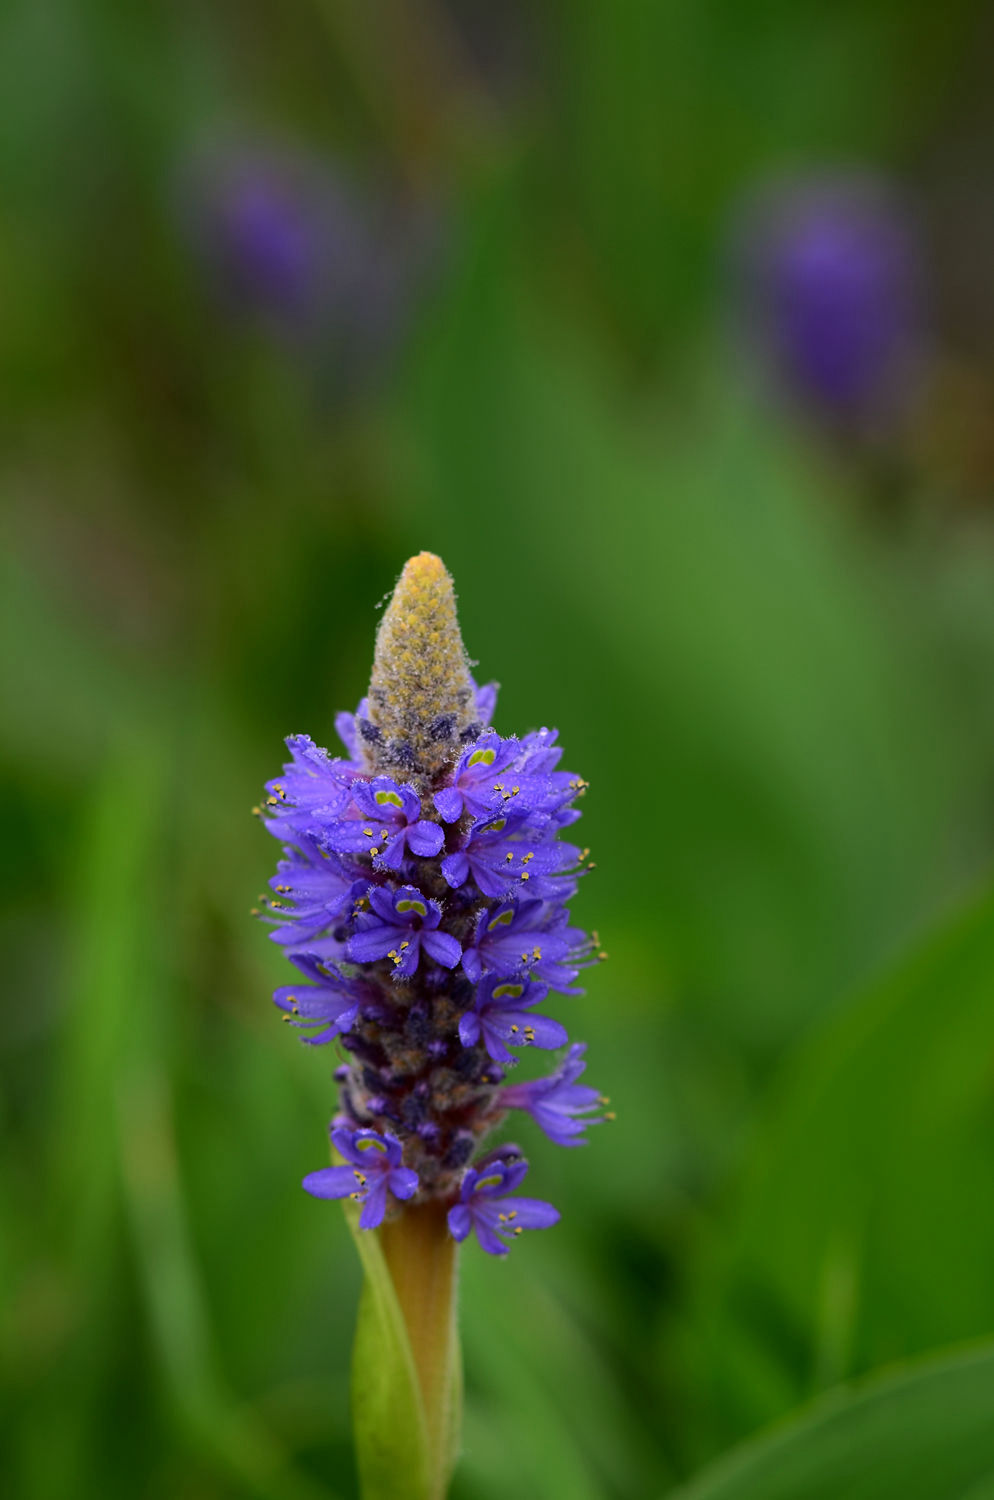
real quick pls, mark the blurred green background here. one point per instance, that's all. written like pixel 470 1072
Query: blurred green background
pixel 292 292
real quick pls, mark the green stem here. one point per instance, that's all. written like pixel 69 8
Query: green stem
pixel 421 1257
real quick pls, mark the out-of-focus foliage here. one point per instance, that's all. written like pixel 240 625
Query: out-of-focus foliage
pixel 902 1437
pixel 768 642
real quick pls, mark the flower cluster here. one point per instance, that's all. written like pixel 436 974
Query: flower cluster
pixel 422 896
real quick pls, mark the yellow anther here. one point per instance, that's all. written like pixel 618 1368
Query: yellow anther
pixel 515 1028
pixel 368 832
pixel 610 1115
pixel 513 1214
pixel 257 812
pixel 536 953
pixel 517 1228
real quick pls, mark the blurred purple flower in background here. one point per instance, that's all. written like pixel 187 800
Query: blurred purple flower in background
pixel 290 242
pixel 831 295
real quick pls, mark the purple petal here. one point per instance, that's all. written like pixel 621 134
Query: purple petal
pixel 330 1182
pixel 455 868
pixel 425 839
pixel 409 955
pixel 486 701
pixel 442 947
pixel 345 729
pixel 373 943
pixel 381 900
pixel 375 1206
pixel 490 1242
pixel 448 803
pixel 343 1140
pixel 403 1182
pixel 347 836
pixel 547 1032
pixel 530 1213
pixel 492 883
pixel 469 1029
pixel 392 852
pixel 460 1221
pixel 495 1038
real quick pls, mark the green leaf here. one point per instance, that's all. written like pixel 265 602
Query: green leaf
pixel 925 1434
pixel 391 1435
pixel 848 1247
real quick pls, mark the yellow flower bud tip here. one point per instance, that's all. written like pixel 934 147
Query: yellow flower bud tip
pixel 421 694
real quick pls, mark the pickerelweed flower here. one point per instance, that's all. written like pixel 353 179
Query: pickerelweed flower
pixel 325 262
pixel 831 270
pixel 422 896
pixel 485 1207
pixel 375 1171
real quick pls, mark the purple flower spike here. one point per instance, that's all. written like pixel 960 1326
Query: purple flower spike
pixel 500 1017
pixel 423 894
pixel 557 1103
pixel 399 925
pixel 485 1207
pixel 375 1170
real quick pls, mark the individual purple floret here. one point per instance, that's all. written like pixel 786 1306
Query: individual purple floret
pixel 329 1002
pixel 322 889
pixel 375 1170
pixel 513 852
pixel 558 1104
pixel 473 789
pixel 484 1204
pixel 501 1017
pixel 422 894
pixel 386 825
pixel 311 781
pixel 399 924
pixel 527 938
